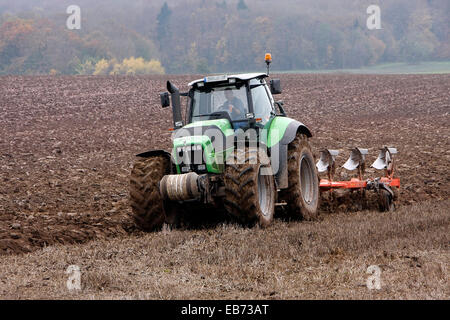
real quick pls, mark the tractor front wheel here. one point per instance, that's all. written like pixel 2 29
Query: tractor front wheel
pixel 145 199
pixel 250 187
pixel 302 194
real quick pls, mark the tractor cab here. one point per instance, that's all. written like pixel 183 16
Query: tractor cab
pixel 245 100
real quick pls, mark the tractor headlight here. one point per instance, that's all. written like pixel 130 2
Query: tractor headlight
pixel 191 155
pixel 185 169
pixel 195 147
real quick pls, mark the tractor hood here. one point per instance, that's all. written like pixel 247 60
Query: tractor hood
pixel 217 131
pixel 223 124
pixel 215 137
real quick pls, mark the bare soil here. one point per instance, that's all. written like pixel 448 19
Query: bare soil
pixel 67 146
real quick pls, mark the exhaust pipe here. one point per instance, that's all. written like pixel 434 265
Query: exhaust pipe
pixel 176 105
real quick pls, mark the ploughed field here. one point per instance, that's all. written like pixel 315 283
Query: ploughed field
pixel 68 143
pixel 67 146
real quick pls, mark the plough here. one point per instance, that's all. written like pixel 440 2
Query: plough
pixel 386 186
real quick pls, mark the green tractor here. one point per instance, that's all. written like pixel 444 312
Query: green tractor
pixel 235 150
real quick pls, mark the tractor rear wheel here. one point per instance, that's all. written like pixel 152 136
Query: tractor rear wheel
pixel 249 187
pixel 146 202
pixel 302 194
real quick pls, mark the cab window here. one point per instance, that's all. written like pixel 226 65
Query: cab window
pixel 231 99
pixel 262 104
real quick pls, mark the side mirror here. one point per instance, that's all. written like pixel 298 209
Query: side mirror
pixel 275 86
pixel 165 99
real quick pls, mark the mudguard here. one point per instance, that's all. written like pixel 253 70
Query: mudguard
pixel 279 149
pixel 292 129
pixel 154 153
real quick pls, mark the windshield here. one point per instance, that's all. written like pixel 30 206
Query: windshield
pixel 230 99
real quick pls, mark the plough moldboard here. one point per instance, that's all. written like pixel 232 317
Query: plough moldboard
pixel 386 186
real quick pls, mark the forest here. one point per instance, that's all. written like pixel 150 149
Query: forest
pixel 211 36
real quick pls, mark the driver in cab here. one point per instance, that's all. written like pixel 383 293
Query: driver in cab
pixel 233 105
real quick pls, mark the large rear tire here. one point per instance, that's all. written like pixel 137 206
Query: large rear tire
pixel 302 194
pixel 145 199
pixel 250 191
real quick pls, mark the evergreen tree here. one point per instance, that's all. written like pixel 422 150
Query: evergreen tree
pixel 241 5
pixel 222 5
pixel 163 22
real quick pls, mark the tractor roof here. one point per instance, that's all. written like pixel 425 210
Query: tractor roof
pixel 225 77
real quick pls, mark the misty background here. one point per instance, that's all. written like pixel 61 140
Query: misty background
pixel 210 36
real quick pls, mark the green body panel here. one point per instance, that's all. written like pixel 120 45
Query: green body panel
pixel 276 129
pixel 211 157
pixel 205 142
pixel 271 135
pixel 223 124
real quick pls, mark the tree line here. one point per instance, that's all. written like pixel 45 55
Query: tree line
pixel 209 36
